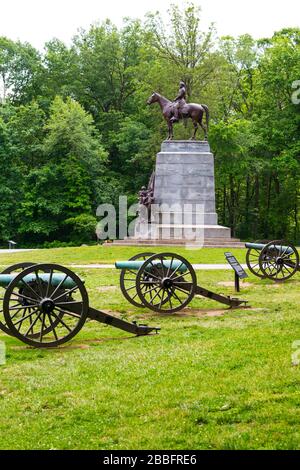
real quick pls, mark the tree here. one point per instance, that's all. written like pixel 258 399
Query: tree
pixel 59 75
pixel 134 155
pixel 63 188
pixel 277 121
pixel 107 58
pixel 183 45
pixel 10 176
pixel 20 64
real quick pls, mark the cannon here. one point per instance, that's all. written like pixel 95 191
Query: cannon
pixel 277 260
pixel 165 283
pixel 45 305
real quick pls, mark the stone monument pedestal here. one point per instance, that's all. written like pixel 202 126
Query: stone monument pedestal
pixel 184 198
pixel 184 177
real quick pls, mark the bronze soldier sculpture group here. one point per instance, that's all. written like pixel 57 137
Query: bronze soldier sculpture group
pixel 146 197
pixel 174 111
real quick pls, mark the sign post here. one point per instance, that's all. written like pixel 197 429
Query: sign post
pixel 239 272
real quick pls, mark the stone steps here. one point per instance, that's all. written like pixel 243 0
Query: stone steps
pixel 209 243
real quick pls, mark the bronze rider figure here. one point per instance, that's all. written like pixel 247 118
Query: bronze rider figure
pixel 179 102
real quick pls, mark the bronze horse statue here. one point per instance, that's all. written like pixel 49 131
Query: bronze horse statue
pixel 189 110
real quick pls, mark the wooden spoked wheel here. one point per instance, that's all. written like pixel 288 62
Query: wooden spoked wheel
pixel 252 260
pixel 45 305
pixel 15 268
pixel 279 260
pixel 128 280
pixel 166 283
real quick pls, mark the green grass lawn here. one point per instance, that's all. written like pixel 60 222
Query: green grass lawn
pixel 212 378
pixel 107 254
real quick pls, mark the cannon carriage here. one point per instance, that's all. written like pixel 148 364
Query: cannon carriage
pixel 46 305
pixel 164 283
pixel 277 260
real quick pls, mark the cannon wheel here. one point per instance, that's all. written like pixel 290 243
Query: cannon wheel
pixel 12 269
pixel 128 280
pixel 278 263
pixel 252 260
pixel 41 314
pixel 18 267
pixel 170 289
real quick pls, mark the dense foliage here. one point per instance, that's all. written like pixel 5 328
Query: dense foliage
pixel 75 130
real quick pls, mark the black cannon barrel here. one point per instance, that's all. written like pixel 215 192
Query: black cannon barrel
pixel 260 247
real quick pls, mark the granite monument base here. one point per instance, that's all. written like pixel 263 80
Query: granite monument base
pixel 184 199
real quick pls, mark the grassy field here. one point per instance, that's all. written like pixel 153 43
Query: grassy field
pixel 108 254
pixel 212 378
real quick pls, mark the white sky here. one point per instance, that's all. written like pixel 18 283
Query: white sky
pixel 37 21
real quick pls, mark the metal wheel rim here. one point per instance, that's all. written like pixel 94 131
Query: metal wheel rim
pixel 252 256
pixel 9 270
pixel 81 317
pixel 161 307
pixel 253 253
pixel 131 294
pixel 270 268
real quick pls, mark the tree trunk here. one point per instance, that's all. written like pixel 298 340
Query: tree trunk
pixel 232 205
pixel 256 206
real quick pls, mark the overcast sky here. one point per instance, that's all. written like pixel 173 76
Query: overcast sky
pixel 37 21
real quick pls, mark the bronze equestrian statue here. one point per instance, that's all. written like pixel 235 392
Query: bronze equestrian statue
pixel 178 109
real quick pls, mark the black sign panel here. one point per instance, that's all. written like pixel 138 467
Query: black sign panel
pixel 235 265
